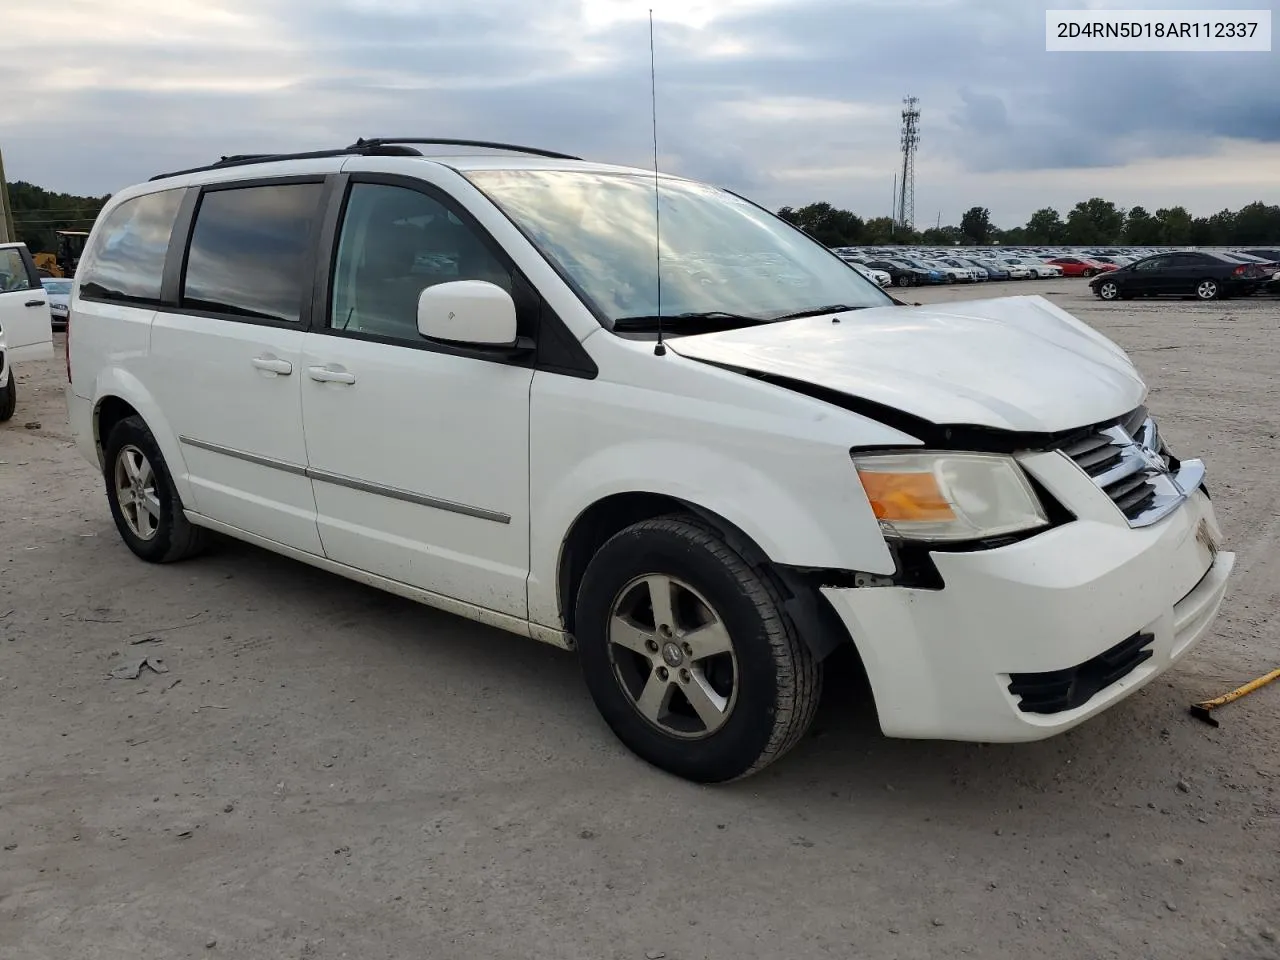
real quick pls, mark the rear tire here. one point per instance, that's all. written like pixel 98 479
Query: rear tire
pixel 903 281
pixel 9 397
pixel 1208 289
pixel 753 686
pixel 144 501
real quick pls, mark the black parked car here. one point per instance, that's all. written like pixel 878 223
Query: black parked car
pixel 1190 273
pixel 903 275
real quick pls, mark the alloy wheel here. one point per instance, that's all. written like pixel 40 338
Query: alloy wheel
pixel 1108 290
pixel 673 657
pixel 135 482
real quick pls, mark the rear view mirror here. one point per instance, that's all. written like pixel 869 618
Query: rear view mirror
pixel 469 313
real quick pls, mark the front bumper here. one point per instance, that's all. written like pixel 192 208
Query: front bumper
pixel 940 661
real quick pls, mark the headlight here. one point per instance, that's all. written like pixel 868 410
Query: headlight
pixel 949 496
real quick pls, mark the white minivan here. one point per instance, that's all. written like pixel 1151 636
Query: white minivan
pixel 695 447
pixel 26 327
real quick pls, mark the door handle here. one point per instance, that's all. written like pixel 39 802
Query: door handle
pixel 273 365
pixel 331 373
pixel 34 303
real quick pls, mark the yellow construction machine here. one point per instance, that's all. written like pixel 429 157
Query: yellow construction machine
pixel 64 262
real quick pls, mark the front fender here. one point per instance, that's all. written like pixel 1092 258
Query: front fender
pixel 806 511
pixel 117 382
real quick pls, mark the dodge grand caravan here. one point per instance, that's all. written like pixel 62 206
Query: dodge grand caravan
pixel 473 381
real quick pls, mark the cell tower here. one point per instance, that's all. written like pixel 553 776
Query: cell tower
pixel 906 206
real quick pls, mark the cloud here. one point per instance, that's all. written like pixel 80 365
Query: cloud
pixel 787 100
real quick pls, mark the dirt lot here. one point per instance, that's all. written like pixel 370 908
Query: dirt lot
pixel 325 771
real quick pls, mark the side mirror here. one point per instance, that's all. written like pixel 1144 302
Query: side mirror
pixel 472 313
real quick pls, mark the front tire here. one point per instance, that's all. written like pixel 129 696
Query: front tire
pixel 903 281
pixel 1208 290
pixel 9 397
pixel 689 654
pixel 1089 272
pixel 144 501
pixel 1108 290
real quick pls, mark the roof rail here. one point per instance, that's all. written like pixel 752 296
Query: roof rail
pixel 372 147
pixel 378 142
pixel 247 159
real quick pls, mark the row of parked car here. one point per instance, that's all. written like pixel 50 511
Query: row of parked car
pixel 1113 274
pixel 911 268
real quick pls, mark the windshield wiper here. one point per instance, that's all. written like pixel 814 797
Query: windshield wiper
pixel 814 312
pixel 719 317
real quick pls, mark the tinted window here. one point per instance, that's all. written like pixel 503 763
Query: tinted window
pixel 249 249
pixel 13 271
pixel 395 243
pixel 126 258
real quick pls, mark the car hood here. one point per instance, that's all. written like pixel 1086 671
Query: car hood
pixel 1014 363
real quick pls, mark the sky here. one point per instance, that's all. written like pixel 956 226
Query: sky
pixel 787 101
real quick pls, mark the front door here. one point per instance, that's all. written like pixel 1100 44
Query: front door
pixel 419 454
pixel 24 308
pixel 226 364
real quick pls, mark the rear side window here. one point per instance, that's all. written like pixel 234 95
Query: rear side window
pixel 249 251
pixel 126 259
pixel 13 271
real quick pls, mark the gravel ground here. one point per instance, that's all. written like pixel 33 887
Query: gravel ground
pixel 325 771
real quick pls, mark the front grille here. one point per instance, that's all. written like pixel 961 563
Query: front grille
pixel 1120 457
pixel 1059 690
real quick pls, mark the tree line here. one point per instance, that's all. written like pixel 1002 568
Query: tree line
pixel 39 213
pixel 1094 222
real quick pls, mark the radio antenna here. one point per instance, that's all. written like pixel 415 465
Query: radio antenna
pixel 660 349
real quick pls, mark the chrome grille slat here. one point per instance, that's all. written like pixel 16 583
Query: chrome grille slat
pixel 1128 464
pixel 1125 487
pixel 1098 461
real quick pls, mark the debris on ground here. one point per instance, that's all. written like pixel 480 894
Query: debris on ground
pixel 133 669
pixel 135 642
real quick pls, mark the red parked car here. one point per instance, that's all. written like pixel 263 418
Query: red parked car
pixel 1081 266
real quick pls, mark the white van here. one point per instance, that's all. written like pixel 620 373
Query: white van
pixel 26 327
pixel 465 379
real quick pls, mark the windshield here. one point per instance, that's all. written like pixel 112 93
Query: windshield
pixel 59 288
pixel 720 254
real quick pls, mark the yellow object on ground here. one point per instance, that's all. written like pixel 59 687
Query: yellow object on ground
pixel 1201 709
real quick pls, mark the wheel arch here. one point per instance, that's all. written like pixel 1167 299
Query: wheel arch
pixel 819 626
pixel 119 394
pixel 107 412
